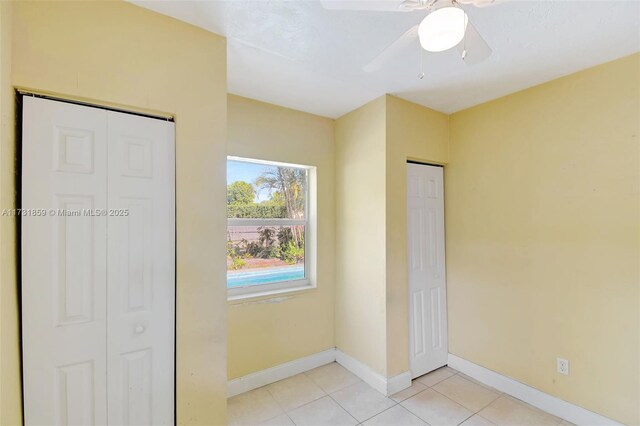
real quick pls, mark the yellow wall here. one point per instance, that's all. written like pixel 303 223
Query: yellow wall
pixel 118 54
pixel 374 143
pixel 543 247
pixel 360 235
pixel 413 133
pixel 10 395
pixel 266 332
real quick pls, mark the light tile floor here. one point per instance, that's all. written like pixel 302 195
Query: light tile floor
pixel 331 395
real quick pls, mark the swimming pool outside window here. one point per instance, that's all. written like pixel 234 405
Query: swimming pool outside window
pixel 268 227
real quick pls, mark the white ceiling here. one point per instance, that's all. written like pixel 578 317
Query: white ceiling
pixel 299 55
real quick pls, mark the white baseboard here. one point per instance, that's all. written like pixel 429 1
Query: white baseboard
pixel 384 385
pixel 543 401
pixel 279 372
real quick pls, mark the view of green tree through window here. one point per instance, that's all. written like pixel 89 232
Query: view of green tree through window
pixel 266 223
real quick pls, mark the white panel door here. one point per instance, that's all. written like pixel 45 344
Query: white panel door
pixel 64 162
pixel 141 265
pixel 427 282
pixel 98 266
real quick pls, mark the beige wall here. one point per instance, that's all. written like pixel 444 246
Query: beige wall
pixel 10 394
pixel 374 143
pixel 269 331
pixel 118 54
pixel 413 133
pixel 360 235
pixel 542 221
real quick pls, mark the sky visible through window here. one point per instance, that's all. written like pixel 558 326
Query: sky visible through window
pixel 248 172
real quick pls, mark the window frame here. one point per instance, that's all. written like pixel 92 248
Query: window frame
pixel 309 223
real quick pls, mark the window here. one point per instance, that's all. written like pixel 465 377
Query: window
pixel 268 227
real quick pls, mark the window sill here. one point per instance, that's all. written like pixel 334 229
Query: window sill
pixel 269 293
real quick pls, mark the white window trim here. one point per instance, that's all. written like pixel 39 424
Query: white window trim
pixel 310 242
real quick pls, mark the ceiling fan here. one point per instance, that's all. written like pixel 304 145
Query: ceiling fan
pixel 445 26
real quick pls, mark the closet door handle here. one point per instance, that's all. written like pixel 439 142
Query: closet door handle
pixel 139 329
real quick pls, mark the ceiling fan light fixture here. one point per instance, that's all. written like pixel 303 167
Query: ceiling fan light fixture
pixel 442 29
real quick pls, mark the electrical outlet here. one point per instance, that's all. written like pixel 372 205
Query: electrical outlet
pixel 563 366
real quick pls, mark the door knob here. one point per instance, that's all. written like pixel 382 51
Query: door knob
pixel 139 328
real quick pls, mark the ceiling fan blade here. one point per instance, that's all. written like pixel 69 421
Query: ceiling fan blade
pixel 473 48
pixel 366 5
pixel 392 50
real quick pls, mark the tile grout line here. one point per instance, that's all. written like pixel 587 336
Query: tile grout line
pixel 476 412
pixel 347 411
pixel 399 402
pixel 467 408
pixel 484 418
pixel 279 405
pixel 289 417
pixel 473 413
pixel 307 403
pixel 439 381
pixel 387 409
pixel 458 424
pixel 325 394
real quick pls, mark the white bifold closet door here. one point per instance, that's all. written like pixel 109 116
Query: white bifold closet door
pixel 427 281
pixel 98 266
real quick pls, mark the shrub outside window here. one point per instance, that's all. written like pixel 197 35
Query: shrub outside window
pixel 268 227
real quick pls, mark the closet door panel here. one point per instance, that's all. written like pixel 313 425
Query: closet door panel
pixel 141 262
pixel 64 162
